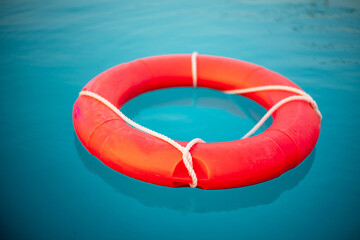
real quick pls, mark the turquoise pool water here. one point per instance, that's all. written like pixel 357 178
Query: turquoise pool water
pixel 52 188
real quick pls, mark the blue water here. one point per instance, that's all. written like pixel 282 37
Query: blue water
pixel 52 188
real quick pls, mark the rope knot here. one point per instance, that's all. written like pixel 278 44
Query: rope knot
pixel 187 159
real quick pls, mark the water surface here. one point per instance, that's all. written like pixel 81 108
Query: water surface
pixel 52 188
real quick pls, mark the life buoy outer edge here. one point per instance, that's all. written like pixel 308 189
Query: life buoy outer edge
pixel 287 142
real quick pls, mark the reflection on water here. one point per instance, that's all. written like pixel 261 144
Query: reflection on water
pixel 188 200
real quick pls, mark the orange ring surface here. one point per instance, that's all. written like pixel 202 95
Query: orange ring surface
pixel 286 143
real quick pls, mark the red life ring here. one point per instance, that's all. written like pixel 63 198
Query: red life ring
pixel 286 143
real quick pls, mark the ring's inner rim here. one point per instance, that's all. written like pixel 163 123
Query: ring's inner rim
pixel 143 81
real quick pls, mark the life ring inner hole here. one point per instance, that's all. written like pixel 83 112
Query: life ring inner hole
pixel 184 113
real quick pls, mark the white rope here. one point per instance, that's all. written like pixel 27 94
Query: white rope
pixel 187 158
pixel 194 68
pixel 303 96
pixel 186 155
